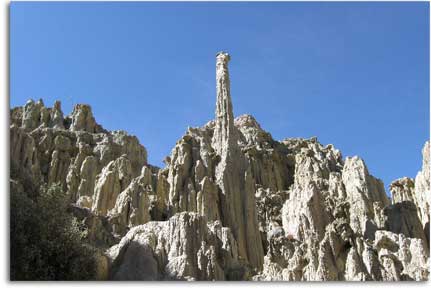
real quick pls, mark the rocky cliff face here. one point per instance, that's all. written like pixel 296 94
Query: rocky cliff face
pixel 232 203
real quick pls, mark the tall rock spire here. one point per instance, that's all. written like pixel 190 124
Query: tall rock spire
pixel 224 129
pixel 233 174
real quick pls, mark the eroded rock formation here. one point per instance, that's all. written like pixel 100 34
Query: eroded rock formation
pixel 232 203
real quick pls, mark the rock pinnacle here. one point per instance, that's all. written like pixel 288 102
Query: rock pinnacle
pixel 224 129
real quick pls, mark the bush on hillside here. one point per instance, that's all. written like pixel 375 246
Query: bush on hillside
pixel 45 239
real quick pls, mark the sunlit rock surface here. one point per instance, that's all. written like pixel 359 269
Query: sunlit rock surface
pixel 232 203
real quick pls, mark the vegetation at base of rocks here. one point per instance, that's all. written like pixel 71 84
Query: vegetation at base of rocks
pixel 45 239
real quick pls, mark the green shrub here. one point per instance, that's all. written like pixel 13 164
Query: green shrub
pixel 45 239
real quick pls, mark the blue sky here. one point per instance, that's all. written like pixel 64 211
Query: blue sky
pixel 355 75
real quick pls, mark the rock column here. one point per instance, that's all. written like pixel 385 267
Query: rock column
pixel 233 174
pixel 224 135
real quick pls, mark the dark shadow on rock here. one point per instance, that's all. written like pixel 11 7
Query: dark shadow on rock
pixel 370 230
pixel 427 233
pixel 402 218
pixel 137 263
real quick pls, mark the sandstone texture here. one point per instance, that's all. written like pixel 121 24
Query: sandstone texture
pixel 232 203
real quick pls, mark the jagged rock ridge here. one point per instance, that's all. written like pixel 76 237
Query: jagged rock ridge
pixel 232 203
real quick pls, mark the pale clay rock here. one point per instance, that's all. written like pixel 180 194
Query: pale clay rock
pixel 83 120
pixel 231 204
pixel 113 179
pixel 184 247
pixel 422 189
pixel 403 189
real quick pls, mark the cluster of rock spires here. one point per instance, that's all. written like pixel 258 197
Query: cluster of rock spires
pixel 231 204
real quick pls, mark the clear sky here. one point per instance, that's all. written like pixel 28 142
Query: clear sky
pixel 355 75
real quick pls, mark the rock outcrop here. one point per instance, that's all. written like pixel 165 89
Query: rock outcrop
pixel 233 173
pixel 422 189
pixel 232 203
pixel 186 247
pixel 414 195
pixel 73 151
